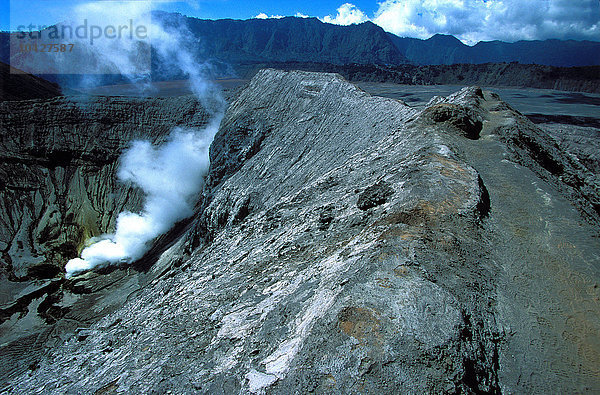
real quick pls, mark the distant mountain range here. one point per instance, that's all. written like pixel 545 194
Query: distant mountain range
pixel 288 39
pixel 577 79
pixel 310 40
pixel 235 46
pixel 446 50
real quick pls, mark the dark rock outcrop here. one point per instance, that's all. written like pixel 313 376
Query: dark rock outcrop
pixel 457 116
pixel 374 196
pixel 462 275
pixel 18 85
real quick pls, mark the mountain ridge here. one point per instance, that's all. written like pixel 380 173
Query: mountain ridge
pixel 578 79
pixel 261 39
pixel 446 49
pixel 18 85
pixel 229 43
pixel 288 38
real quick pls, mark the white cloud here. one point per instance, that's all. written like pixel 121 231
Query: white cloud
pixel 480 20
pixel 347 14
pixel 477 20
pixel 301 15
pixel 422 19
pixel 262 15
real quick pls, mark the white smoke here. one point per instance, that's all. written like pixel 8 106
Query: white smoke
pixel 124 39
pixel 171 175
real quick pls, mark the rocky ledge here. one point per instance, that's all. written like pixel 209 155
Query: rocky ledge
pixel 347 243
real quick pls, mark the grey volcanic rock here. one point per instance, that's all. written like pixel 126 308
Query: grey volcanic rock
pixel 548 254
pixel 580 141
pixel 452 280
pixel 351 281
pixel 566 163
pixel 374 195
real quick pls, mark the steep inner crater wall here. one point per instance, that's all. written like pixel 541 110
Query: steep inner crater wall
pixel 59 161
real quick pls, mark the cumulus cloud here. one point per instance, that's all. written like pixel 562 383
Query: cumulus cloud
pixel 347 14
pixel 482 20
pixel 262 15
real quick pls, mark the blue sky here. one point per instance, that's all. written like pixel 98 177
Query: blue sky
pixel 247 9
pixel 45 10
pixel 469 20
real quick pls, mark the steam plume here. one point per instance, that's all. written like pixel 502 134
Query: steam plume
pixel 100 35
pixel 171 175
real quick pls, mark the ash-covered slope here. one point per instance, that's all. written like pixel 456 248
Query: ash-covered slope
pixel 347 243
